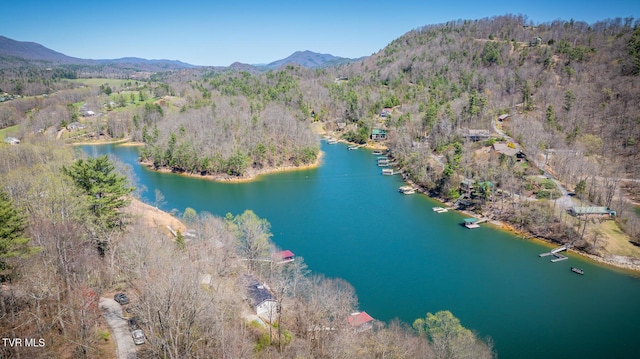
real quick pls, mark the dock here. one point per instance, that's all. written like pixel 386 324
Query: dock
pixel 471 223
pixel 387 172
pixel 440 209
pixel 556 253
pixel 407 190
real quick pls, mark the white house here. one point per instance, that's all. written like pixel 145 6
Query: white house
pixel 261 299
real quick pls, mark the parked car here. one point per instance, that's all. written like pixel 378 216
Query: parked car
pixel 121 298
pixel 138 336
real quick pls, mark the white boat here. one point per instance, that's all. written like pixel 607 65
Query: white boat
pixel 407 190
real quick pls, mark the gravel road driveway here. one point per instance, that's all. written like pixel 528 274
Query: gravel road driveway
pixel 112 312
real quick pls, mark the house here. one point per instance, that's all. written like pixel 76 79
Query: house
pixel 360 321
pixel 510 151
pixel 503 117
pixel 467 185
pixel 592 212
pixel 378 134
pixel 386 112
pixel 504 149
pixel 260 298
pixel 535 41
pixel 12 140
pixel 285 256
pixel 87 113
pixel 341 125
pixel 74 126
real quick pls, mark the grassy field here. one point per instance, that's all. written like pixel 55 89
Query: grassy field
pixel 615 241
pixel 101 81
pixel 8 131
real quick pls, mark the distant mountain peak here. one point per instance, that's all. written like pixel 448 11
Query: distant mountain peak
pixel 309 59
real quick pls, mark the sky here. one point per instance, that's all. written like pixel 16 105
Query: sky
pixel 219 33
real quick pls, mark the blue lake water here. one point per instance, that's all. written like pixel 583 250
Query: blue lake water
pixel 404 260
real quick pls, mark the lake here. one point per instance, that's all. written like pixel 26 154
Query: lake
pixel 404 260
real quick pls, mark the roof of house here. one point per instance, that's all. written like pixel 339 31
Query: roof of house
pixel 505 149
pixel 257 292
pixel 503 116
pixel 359 318
pixel 592 210
pixel 470 220
pixel 378 131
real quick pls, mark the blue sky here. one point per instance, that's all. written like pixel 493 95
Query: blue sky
pixel 214 33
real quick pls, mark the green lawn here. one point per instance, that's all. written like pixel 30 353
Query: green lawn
pixel 8 131
pixel 96 82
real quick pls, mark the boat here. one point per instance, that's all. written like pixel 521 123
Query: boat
pixel 387 171
pixel 471 223
pixel 577 270
pixel 440 209
pixel 377 153
pixel 406 190
pixel 332 141
pixel 352 147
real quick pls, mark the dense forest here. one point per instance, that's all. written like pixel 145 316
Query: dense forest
pixel 563 96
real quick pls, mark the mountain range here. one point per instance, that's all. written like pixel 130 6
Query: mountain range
pixel 18 53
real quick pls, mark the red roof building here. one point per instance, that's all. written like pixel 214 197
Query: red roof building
pixel 283 256
pixel 361 321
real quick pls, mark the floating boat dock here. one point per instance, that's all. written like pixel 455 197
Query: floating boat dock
pixel 577 270
pixel 353 148
pixel 440 209
pixel 471 223
pixel 332 141
pixel 387 172
pixel 556 253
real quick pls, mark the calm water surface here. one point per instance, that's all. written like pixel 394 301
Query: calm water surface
pixel 404 260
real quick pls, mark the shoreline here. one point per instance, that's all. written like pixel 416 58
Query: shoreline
pixel 122 142
pixel 628 264
pixel 252 174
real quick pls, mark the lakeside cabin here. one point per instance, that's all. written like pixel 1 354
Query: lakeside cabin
pixel 360 321
pixel 282 257
pixel 471 223
pixel 592 212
